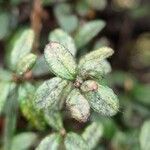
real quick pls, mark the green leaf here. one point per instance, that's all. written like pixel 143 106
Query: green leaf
pixel 145 136
pixel 97 4
pixel 65 18
pixel 11 108
pixel 101 98
pixel 63 38
pixel 26 63
pixel 22 47
pixel 64 95
pixel 5 75
pixel 60 61
pixel 49 93
pixel 141 92
pixel 26 102
pixel 54 119
pixel 24 141
pixel 95 69
pixel 5 24
pixel 50 142
pixel 4 91
pixel 94 56
pixel 40 68
pixel 126 140
pixel 92 134
pixel 109 125
pixel 87 32
pixel 74 141
pixel 78 106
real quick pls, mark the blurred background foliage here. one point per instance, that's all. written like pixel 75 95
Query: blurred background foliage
pixel 127 31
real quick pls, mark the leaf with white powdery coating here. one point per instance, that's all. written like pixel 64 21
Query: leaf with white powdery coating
pixel 74 141
pixel 63 38
pixel 60 60
pixel 50 142
pixel 97 55
pixel 92 134
pixel 101 98
pixel 49 93
pixel 95 69
pixel 87 32
pixel 26 63
pixel 78 106
pixel 22 47
pixel 145 136
pixel 54 119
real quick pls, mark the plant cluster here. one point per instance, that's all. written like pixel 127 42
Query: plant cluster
pixel 55 88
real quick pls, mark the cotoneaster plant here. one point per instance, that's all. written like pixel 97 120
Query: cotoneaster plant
pixel 75 83
pixel 75 86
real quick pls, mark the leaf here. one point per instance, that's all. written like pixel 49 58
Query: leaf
pixel 66 91
pixel 74 141
pixel 95 69
pixel 87 32
pixel 63 38
pixel 78 106
pixel 11 108
pixel 4 91
pixel 101 98
pixel 40 68
pixel 94 56
pixel 23 141
pixel 145 136
pixel 141 92
pixel 54 119
pixel 4 25
pixel 26 63
pixel 49 93
pixel 97 4
pixel 109 125
pixel 5 75
pixel 92 134
pixel 35 117
pixel 67 21
pixel 50 142
pixel 22 47
pixel 125 140
pixel 60 61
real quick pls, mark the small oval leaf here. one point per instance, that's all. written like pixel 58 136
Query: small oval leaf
pixel 50 142
pixel 24 141
pixel 63 38
pixel 74 141
pixel 101 98
pixel 94 56
pixel 145 136
pixel 4 91
pixel 78 106
pixel 22 47
pixel 49 93
pixel 60 60
pixel 54 119
pixel 92 134
pixel 26 63
pixel 95 69
pixel 65 18
pixel 26 102
pixel 40 68
pixel 88 32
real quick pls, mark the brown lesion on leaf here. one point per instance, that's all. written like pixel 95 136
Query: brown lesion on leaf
pixel 25 77
pixel 78 82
